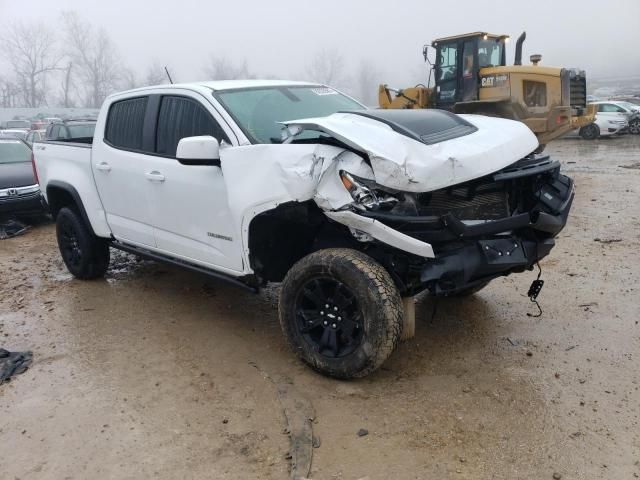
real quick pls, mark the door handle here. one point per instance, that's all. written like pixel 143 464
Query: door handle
pixel 103 167
pixel 154 176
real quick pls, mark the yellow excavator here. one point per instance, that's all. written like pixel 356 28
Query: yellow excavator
pixel 471 76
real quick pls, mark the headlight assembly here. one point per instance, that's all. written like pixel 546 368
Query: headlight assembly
pixel 366 194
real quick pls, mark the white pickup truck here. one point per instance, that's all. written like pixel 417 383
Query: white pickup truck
pixel 272 181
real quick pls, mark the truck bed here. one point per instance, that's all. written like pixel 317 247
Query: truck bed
pixel 67 164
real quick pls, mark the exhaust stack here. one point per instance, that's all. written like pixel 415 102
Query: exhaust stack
pixel 519 42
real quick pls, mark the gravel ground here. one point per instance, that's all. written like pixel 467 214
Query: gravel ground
pixel 160 373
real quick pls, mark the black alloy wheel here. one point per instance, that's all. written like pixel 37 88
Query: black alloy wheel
pixel 328 317
pixel 69 244
pixel 85 255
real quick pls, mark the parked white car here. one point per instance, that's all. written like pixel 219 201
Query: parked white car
pixel 14 133
pixel 611 118
pixel 272 181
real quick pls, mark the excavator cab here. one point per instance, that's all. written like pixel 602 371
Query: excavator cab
pixel 458 62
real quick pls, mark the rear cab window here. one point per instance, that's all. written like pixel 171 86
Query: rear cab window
pixel 125 123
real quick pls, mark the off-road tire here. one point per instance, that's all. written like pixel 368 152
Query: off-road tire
pixel 376 296
pixel 634 126
pixel 590 132
pixel 85 255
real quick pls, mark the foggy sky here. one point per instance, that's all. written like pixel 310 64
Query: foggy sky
pixel 278 37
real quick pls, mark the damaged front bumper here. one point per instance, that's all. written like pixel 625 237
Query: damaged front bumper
pixel 449 253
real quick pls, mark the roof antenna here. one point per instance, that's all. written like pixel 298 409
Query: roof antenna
pixel 168 75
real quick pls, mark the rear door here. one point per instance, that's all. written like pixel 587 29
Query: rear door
pixel 189 202
pixel 120 165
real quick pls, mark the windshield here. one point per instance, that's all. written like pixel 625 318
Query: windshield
pixel 258 110
pixel 13 151
pixel 489 52
pixel 630 106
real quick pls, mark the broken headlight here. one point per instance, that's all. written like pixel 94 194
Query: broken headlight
pixel 366 193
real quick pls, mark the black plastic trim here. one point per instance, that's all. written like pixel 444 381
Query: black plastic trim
pixel 184 264
pixel 70 189
pixel 199 161
pixel 537 220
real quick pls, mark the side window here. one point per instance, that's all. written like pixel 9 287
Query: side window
pixel 125 123
pixel 55 132
pixel 182 117
pixel 535 93
pixel 448 61
pixel 610 108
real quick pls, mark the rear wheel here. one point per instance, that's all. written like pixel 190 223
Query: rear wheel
pixel 634 126
pixel 590 132
pixel 340 312
pixel 85 255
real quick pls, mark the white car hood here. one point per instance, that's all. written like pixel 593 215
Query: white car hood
pixel 406 164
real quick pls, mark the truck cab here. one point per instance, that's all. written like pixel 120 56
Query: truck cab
pixel 458 62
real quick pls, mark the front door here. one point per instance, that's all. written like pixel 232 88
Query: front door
pixel 190 208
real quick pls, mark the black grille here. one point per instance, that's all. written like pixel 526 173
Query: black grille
pixel 578 90
pixel 20 198
pixel 469 202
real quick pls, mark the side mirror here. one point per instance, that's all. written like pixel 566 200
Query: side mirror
pixel 204 150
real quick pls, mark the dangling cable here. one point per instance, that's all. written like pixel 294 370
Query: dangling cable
pixel 534 291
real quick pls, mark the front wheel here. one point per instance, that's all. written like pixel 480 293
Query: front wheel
pixel 85 255
pixel 634 126
pixel 340 312
pixel 590 132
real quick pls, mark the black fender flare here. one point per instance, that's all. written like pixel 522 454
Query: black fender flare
pixel 71 190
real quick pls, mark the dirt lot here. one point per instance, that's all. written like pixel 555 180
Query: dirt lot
pixel 160 373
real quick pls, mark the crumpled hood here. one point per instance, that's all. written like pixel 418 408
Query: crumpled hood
pixel 402 161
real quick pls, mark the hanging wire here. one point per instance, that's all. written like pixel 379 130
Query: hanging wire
pixel 534 291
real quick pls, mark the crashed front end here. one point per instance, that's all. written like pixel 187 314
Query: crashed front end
pixel 478 230
pixel 460 205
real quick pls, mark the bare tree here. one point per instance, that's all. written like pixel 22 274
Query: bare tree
pixel 366 82
pixel 30 49
pixel 327 67
pixel 221 68
pixel 9 93
pixel 95 56
pixel 66 98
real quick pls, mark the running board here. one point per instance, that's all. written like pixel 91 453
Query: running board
pixel 181 263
